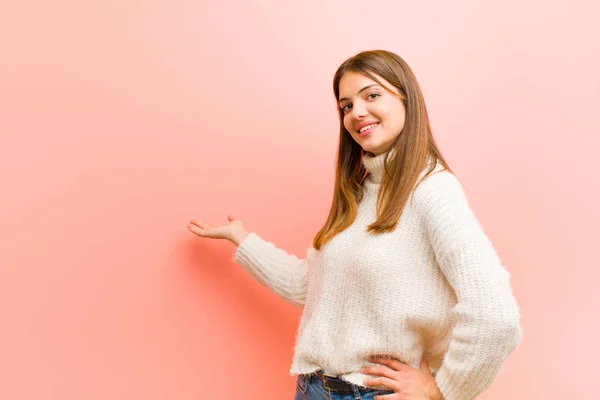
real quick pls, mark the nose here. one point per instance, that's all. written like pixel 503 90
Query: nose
pixel 359 110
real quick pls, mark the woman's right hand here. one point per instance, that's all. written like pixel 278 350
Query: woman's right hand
pixel 234 231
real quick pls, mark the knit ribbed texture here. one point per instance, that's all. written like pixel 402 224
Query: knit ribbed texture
pixel 433 287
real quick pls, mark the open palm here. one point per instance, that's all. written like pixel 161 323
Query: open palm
pixel 204 229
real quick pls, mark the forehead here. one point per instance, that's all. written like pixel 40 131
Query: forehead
pixel 351 82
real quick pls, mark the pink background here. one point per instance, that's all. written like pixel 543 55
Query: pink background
pixel 122 120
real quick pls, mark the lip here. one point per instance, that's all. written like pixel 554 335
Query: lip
pixel 368 131
pixel 359 126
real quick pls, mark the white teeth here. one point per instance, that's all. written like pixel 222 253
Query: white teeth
pixel 364 128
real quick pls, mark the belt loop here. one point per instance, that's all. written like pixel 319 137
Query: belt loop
pixel 356 392
pixel 303 381
pixel 307 379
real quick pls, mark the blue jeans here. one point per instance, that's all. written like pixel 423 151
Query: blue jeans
pixel 310 387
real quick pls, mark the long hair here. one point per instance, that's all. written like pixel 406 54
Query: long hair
pixel 414 147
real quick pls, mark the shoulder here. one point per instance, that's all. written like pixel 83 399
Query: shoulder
pixel 439 182
pixel 441 189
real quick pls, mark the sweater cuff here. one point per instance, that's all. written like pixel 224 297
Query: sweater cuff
pixel 243 251
pixel 453 388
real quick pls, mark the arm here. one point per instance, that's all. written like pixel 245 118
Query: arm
pixel 487 327
pixel 286 275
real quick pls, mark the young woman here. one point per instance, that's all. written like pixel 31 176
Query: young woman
pixel 403 295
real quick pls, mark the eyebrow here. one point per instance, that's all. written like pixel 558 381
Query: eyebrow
pixel 359 92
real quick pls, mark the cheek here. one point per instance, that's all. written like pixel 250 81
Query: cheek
pixel 400 118
pixel 380 111
pixel 392 115
pixel 347 123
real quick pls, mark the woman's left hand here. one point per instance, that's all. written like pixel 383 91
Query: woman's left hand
pixel 407 383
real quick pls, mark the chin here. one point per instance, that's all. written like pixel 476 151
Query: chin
pixel 371 149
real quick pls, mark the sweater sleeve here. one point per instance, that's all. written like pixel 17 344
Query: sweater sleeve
pixel 284 274
pixel 486 317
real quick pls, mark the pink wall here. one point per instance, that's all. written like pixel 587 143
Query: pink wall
pixel 120 121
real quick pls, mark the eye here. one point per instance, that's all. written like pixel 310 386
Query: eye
pixel 375 95
pixel 345 108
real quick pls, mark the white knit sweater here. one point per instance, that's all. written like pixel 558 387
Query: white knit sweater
pixel 433 287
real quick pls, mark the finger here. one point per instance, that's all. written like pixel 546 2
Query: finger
pixel 391 396
pixel 381 382
pixel 392 363
pixel 198 231
pixel 202 224
pixel 378 370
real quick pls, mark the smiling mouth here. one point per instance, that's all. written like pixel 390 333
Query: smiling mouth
pixel 365 130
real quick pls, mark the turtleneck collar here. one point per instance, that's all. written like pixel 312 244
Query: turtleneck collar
pixel 375 165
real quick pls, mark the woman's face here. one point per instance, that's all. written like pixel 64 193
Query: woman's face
pixel 373 116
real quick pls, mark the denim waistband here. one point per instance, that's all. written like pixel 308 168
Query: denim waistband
pixel 315 381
